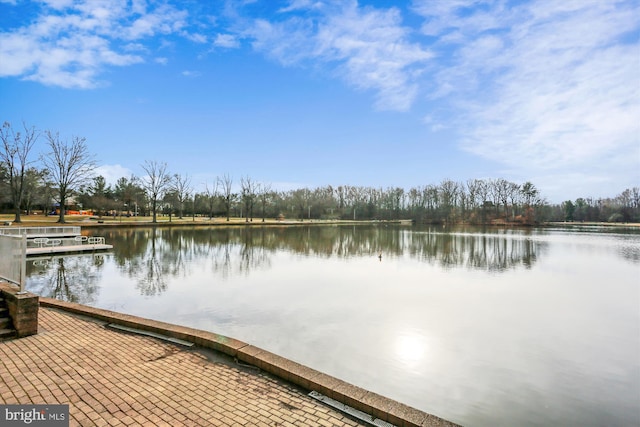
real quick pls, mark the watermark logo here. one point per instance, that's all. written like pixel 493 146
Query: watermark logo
pixel 34 415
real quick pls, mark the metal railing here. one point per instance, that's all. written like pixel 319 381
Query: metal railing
pixel 32 232
pixel 13 259
pixel 43 242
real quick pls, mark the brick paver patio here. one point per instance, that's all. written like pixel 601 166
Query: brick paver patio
pixel 118 379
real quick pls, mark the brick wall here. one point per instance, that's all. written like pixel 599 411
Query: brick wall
pixel 23 309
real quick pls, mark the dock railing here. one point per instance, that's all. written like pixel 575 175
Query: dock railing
pixel 43 242
pixel 13 259
pixel 33 232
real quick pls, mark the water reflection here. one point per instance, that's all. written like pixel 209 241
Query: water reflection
pixel 627 248
pixel 491 252
pixel 70 278
pixel 411 348
pixel 151 256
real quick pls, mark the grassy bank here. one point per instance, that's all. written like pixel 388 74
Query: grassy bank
pixel 92 221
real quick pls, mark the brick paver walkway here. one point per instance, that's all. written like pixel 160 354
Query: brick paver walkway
pixel 118 379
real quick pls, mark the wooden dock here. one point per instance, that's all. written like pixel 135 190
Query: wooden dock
pixel 68 249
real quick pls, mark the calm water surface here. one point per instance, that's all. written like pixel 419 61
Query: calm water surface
pixel 482 327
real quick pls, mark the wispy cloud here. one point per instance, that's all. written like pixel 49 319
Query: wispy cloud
pixel 191 74
pixel 196 37
pixel 368 48
pixel 112 173
pixel 295 5
pixel 227 41
pixel 70 42
pixel 542 86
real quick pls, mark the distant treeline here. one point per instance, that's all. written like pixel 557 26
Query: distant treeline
pixel 477 201
pixel 66 176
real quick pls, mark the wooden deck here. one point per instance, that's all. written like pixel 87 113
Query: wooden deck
pixel 68 249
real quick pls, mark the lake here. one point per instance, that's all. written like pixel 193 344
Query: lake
pixel 483 327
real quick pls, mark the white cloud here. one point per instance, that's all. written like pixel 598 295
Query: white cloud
pixel 287 42
pixel 196 37
pixel 71 42
pixel 369 48
pixel 112 173
pixel 295 5
pixel 376 54
pixel 188 73
pixel 163 20
pixel 58 4
pixel 551 88
pixel 226 41
pixel 134 47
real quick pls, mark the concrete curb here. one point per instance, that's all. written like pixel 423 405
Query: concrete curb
pixel 368 402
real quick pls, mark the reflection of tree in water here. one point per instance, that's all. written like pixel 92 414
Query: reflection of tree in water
pixel 72 278
pixel 628 249
pixel 492 251
pixel 241 251
pixel 485 251
pixel 253 252
pixel 149 256
pixel 150 272
pixel 153 255
pixel 630 253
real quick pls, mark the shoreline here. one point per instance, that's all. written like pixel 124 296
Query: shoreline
pixel 92 222
pixel 6 220
pixel 592 224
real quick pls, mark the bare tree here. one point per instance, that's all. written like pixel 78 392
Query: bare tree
pixel 514 193
pixel 448 199
pixel 264 193
pixel 249 189
pixel 502 191
pixel 182 188
pixel 226 183
pixel 155 183
pixel 212 195
pixel 70 165
pixel 473 189
pixel 15 156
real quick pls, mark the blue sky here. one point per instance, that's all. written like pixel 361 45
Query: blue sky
pixel 308 93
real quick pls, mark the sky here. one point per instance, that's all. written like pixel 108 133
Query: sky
pixel 309 93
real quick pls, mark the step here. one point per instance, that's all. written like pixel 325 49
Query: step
pixel 4 322
pixel 6 334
